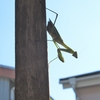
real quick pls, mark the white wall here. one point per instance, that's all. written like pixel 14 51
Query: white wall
pixel 4 88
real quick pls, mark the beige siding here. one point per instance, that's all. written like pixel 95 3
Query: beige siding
pixel 89 93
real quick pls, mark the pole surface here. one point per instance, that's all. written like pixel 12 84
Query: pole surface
pixel 31 65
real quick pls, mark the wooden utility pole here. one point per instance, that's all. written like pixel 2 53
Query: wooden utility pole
pixel 31 66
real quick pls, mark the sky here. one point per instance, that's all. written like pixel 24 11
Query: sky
pixel 78 23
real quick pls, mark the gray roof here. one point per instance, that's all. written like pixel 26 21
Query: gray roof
pixel 82 75
pixel 8 67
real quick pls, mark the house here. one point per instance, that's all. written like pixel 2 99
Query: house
pixel 7 76
pixel 85 86
pixel 7 85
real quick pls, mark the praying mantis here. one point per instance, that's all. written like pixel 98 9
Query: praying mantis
pixel 56 38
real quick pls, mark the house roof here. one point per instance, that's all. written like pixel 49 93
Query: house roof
pixel 8 67
pixel 83 80
pixel 7 72
pixel 82 75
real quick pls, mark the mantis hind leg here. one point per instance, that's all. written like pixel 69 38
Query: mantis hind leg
pixel 55 13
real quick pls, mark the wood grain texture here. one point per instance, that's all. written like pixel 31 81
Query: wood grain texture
pixel 31 67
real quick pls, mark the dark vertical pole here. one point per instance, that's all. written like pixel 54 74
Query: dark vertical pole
pixel 31 67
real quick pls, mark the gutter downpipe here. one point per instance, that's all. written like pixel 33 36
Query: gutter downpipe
pixel 72 82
